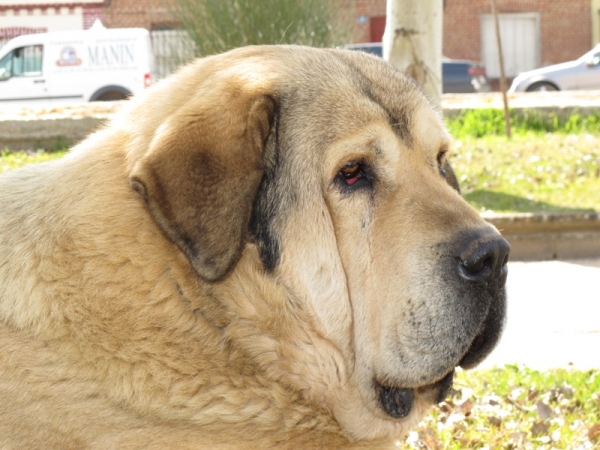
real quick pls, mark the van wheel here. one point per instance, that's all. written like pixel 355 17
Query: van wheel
pixel 111 96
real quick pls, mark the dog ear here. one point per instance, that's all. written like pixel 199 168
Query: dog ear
pixel 451 177
pixel 202 173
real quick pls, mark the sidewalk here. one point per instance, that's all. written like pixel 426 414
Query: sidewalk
pixel 553 316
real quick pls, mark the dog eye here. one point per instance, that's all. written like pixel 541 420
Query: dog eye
pixel 352 172
pixel 441 161
pixel 354 175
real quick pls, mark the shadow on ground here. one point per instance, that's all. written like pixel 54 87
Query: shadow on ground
pixel 501 202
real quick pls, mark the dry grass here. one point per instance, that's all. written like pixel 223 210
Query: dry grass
pixel 515 408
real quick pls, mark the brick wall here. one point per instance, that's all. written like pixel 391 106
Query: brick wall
pixel 90 15
pixel 362 12
pixel 149 14
pixel 565 27
pixel 566 30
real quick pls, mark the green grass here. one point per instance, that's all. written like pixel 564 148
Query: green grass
pixel 515 407
pixel 490 122
pixel 533 172
pixel 12 160
pixel 552 163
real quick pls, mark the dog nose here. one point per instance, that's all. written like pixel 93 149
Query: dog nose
pixel 485 261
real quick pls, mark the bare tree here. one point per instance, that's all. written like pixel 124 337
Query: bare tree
pixel 503 86
pixel 412 42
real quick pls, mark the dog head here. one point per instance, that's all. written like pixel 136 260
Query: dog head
pixel 329 171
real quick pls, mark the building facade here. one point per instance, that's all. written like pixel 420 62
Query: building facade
pixel 29 16
pixel 535 33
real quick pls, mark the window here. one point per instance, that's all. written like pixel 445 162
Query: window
pixel 22 62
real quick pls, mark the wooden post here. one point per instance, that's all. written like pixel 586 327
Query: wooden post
pixel 503 87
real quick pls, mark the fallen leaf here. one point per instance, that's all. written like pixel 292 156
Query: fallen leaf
pixel 429 438
pixel 544 411
pixel 540 428
pixel 495 421
pixel 459 426
pixel 532 394
pixel 517 439
pixel 566 391
pixel 447 406
pixel 466 407
pixel 594 432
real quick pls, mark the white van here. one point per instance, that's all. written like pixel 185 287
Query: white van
pixel 98 64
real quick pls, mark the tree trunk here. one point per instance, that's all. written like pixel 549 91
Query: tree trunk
pixel 412 42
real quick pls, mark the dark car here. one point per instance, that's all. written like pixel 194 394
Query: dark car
pixel 458 76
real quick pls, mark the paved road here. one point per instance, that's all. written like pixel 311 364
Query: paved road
pixel 553 316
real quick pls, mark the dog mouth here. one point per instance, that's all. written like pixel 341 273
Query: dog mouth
pixel 398 402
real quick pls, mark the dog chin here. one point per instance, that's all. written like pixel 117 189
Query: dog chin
pixel 398 401
pixel 389 412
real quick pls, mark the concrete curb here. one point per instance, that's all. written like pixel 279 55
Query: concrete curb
pixel 542 237
pixel 562 104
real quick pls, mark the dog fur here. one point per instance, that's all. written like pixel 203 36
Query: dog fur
pixel 201 274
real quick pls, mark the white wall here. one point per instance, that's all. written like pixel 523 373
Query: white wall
pixel 595 22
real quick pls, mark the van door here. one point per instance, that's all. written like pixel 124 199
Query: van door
pixel 22 80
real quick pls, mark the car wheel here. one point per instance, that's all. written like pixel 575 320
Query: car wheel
pixel 542 86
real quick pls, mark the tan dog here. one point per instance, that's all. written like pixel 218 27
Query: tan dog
pixel 263 251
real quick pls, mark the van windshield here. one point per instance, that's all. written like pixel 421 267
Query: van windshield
pixel 6 66
pixel 22 62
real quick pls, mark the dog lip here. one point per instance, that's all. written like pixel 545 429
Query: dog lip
pixel 444 385
pixel 398 402
pixel 486 340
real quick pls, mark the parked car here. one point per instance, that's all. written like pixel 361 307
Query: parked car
pixel 458 76
pixel 75 66
pixel 583 73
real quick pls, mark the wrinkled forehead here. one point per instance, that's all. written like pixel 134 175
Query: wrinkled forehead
pixel 428 130
pixel 347 91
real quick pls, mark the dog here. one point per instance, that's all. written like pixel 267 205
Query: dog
pixel 267 249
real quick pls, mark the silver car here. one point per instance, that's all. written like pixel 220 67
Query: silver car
pixel 583 73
